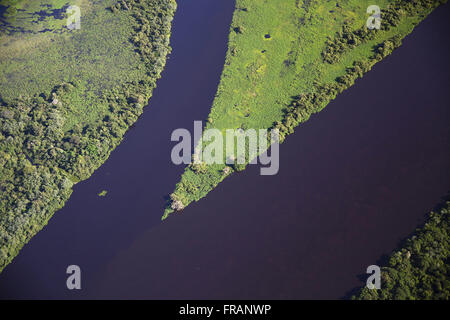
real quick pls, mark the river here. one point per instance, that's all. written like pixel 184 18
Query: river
pixel 354 180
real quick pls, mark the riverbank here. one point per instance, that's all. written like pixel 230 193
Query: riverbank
pixel 281 50
pixel 54 138
pixel 418 270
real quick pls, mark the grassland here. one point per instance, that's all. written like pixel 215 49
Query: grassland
pixel 99 55
pixel 67 98
pixel 288 59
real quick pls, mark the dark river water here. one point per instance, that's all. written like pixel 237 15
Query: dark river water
pixel 354 180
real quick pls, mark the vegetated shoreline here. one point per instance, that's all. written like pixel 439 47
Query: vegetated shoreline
pixel 368 47
pixel 419 268
pixel 40 162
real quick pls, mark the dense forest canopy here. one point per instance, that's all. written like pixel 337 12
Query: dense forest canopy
pixel 421 268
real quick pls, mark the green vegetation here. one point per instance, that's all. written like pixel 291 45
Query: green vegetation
pixel 420 269
pixel 67 99
pixel 287 60
pixel 103 193
pixel 35 16
pixel 99 57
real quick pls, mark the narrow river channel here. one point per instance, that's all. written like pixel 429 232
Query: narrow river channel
pixel 354 180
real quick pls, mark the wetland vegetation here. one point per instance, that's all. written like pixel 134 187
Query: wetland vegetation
pixel 67 98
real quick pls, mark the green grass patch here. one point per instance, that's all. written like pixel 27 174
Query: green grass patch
pixel 100 55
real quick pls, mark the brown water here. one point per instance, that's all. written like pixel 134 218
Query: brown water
pixel 354 180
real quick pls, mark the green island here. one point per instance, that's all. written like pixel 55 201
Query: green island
pixel 287 60
pixel 102 193
pixel 68 96
pixel 419 269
